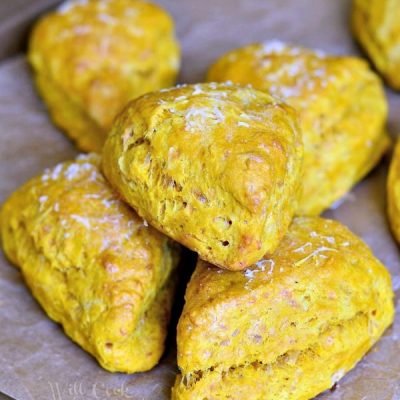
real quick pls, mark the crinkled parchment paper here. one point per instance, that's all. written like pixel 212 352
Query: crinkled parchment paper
pixel 36 360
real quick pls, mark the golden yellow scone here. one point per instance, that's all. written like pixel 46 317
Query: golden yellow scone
pixel 342 111
pixel 215 167
pixel 393 192
pixel 91 57
pixel 290 326
pixel 376 26
pixel 92 263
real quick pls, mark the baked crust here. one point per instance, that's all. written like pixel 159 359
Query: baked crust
pixel 290 326
pixel 376 27
pixel 342 112
pixel 215 167
pixel 90 58
pixel 93 265
pixel 393 192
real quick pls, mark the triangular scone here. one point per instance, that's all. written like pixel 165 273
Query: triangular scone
pixel 342 111
pixel 290 326
pixel 92 263
pixel 90 57
pixel 216 167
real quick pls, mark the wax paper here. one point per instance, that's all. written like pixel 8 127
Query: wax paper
pixel 37 361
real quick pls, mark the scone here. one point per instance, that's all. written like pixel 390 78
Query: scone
pixel 215 167
pixel 393 193
pixel 91 57
pixel 92 263
pixel 290 326
pixel 342 111
pixel 376 26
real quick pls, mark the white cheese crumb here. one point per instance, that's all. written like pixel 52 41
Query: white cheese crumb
pixel 72 171
pixel 197 90
pixel 84 221
pixel 273 46
pixel 302 249
pixel 108 203
pixel 330 239
pixel 219 115
pixel 69 5
pixel 106 18
pixel 316 253
pixel 56 172
pixel 249 274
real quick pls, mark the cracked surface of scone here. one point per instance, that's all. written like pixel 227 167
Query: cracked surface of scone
pixel 393 192
pixel 376 26
pixel 341 105
pixel 93 265
pixel 91 57
pixel 214 166
pixel 290 326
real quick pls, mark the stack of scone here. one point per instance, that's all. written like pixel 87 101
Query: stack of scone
pixel 282 303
